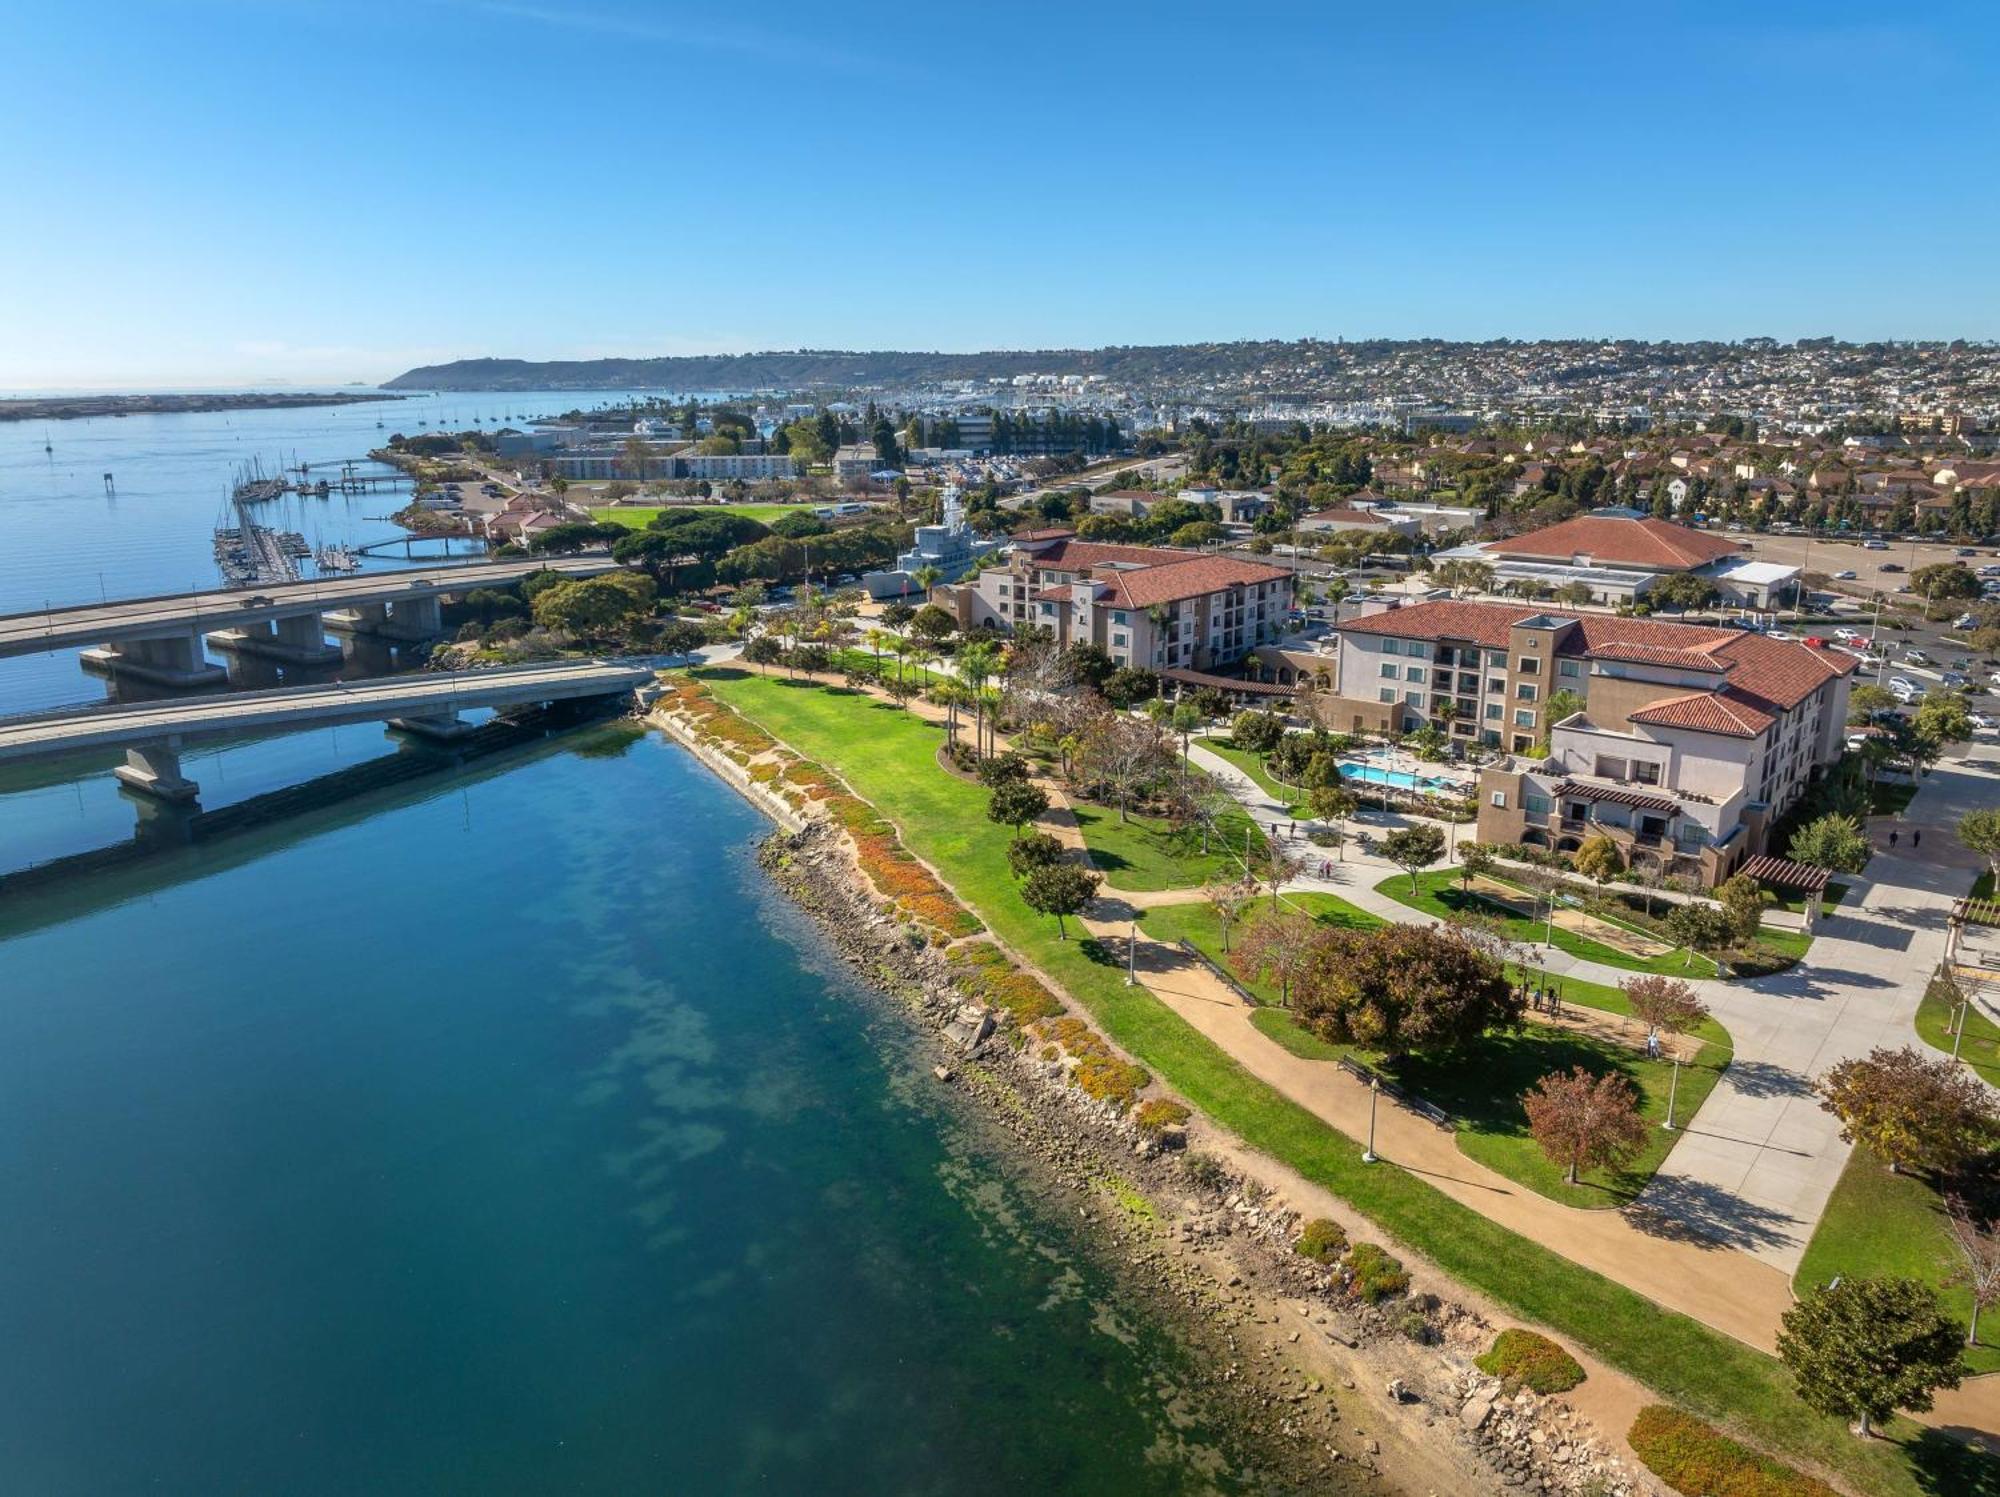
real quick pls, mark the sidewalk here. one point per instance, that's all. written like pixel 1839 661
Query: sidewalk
pixel 1756 1165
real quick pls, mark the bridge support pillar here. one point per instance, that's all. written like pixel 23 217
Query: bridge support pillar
pixel 405 619
pixel 155 769
pixel 436 727
pixel 297 640
pixel 162 660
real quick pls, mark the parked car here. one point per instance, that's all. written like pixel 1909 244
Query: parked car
pixel 1904 688
pixel 1983 722
pixel 1890 566
pixel 1915 657
pixel 1846 576
pixel 1964 621
pixel 1874 545
pixel 1954 678
pixel 1967 551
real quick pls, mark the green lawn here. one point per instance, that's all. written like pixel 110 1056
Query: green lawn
pixel 1888 797
pixel 888 758
pixel 1483 1086
pixel 1981 1048
pixel 1145 852
pixel 1879 1223
pixel 1440 893
pixel 639 516
pixel 1288 796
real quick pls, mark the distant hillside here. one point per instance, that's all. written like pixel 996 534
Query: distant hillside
pixel 832 367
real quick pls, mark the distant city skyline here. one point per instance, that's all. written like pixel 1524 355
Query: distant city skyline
pixel 238 194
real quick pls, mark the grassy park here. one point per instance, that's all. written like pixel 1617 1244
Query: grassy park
pixel 1879 1223
pixel 1980 1048
pixel 1289 796
pixel 1144 853
pixel 639 516
pixel 1481 1087
pixel 1440 892
pixel 888 757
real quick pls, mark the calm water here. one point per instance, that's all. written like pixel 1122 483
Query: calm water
pixel 518 1139
pixel 64 539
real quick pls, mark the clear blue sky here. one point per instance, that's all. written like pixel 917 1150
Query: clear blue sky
pixel 221 191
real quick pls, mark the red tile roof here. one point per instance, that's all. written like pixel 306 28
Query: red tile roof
pixel 1731 713
pixel 1613 541
pixel 1761 675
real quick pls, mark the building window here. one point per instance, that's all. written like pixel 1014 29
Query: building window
pixel 1644 773
pixel 1497 685
pixel 1493 711
pixel 1388 693
pixel 1524 719
pixel 1120 640
pixel 1117 615
pixel 1389 669
pixel 1500 799
pixel 1415 699
pixel 1538 804
pixel 1415 673
pixel 1529 666
pixel 1497 659
pixel 1525 692
pixel 1570 668
pixel 1417 649
pixel 1390 647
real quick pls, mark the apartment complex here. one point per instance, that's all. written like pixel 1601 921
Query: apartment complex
pixel 1680 742
pixel 1142 605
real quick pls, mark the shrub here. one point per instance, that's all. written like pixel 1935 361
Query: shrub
pixel 1109 1079
pixel 963 756
pixel 1321 1240
pixel 1697 1459
pixel 1376 1275
pixel 1159 1114
pixel 1528 1359
pixel 1205 1171
pixel 985 973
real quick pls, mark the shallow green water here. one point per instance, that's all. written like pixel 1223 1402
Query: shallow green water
pixel 520 1139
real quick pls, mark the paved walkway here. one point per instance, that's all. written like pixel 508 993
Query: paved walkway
pixel 1755 1166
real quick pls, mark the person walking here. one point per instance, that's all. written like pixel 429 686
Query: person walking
pixel 1916 839
pixel 1892 839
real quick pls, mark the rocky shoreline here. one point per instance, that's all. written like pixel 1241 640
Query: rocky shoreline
pixel 1319 1391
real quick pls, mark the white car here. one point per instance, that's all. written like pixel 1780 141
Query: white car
pixel 1874 545
pixel 1779 634
pixel 1982 721
pixel 1904 689
pixel 1847 576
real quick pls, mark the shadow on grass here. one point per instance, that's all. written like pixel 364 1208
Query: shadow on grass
pixel 1944 1464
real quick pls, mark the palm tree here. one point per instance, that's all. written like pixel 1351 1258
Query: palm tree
pixel 926 577
pixel 976 666
pixel 876 639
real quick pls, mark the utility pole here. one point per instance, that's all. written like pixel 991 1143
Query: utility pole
pixel 1368 1155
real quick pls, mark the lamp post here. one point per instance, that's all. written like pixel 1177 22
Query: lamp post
pixel 1374 1095
pixel 1673 1091
pixel 1132 955
pixel 1958 1029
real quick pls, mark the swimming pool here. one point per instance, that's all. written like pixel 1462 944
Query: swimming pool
pixel 1401 779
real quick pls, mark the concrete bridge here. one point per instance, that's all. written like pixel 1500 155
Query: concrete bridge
pixel 426 704
pixel 160 640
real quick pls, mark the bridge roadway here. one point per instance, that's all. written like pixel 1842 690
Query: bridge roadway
pixel 236 607
pixel 427 703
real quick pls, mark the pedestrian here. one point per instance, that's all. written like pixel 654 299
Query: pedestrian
pixel 1916 839
pixel 1892 839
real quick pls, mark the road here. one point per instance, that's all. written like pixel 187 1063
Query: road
pixel 98 623
pixel 245 714
pixel 1162 469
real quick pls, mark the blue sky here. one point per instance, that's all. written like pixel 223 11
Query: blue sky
pixel 225 191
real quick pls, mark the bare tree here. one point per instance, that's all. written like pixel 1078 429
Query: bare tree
pixel 1278 949
pixel 1978 1244
pixel 1228 898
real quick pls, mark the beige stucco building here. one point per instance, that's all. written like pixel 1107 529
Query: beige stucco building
pixel 1679 742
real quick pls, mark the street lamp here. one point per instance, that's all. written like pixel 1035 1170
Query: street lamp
pixel 1673 1091
pixel 1368 1155
pixel 1958 1029
pixel 1132 956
